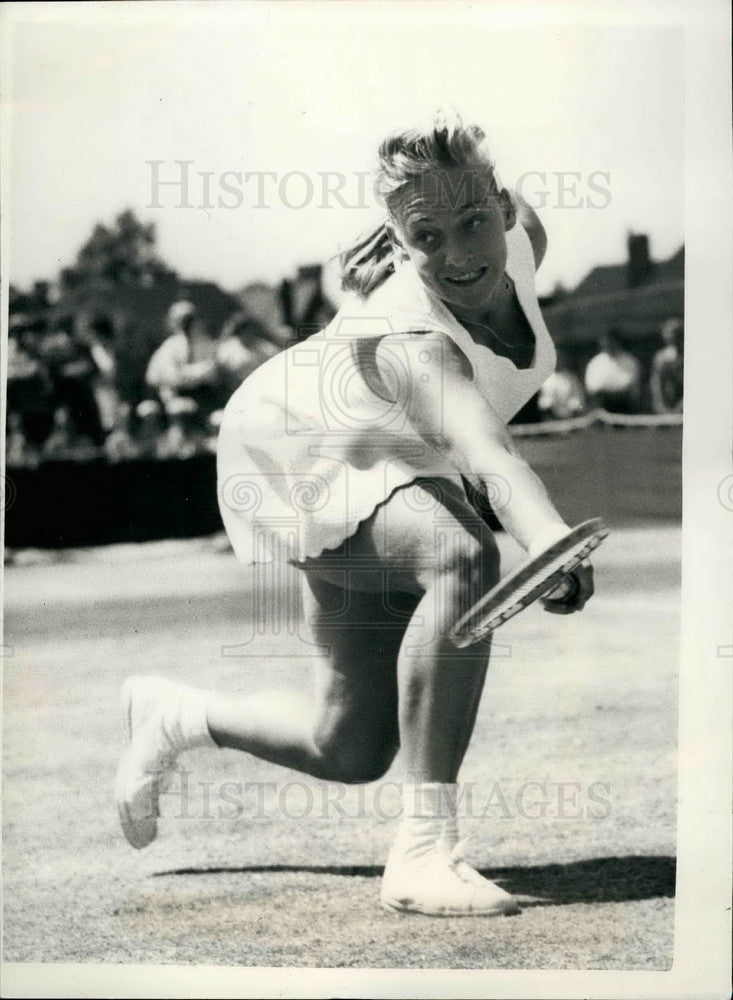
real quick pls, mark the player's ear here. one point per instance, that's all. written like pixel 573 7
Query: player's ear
pixel 508 208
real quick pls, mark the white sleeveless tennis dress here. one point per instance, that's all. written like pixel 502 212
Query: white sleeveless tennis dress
pixel 311 443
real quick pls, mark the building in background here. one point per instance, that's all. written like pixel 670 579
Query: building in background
pixel 636 298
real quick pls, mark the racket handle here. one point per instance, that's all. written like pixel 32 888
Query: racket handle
pixel 567 587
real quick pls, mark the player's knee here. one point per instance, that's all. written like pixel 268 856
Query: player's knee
pixel 355 762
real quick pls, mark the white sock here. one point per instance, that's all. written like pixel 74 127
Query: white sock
pixel 185 722
pixel 429 815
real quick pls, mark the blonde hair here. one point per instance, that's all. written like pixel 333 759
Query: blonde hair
pixel 403 157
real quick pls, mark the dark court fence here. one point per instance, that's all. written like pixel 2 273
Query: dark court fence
pixel 63 504
pixel 626 473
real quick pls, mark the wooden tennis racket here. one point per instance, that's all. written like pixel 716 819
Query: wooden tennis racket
pixel 530 581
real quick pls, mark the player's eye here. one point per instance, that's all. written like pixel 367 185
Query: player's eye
pixel 425 239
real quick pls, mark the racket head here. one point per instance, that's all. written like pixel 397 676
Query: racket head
pixel 527 583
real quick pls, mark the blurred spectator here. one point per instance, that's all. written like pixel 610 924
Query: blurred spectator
pixel 120 444
pixel 184 366
pixel 613 377
pixel 29 384
pixel 151 428
pixel 65 442
pixel 177 433
pixel 666 377
pixel 18 451
pixel 562 396
pixel 185 434
pixel 98 335
pixel 60 440
pixel 73 371
pixel 244 346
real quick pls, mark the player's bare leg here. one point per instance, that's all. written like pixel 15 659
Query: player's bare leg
pixel 346 732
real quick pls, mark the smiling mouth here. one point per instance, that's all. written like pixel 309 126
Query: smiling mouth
pixel 468 278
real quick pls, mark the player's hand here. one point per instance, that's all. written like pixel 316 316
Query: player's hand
pixel 574 591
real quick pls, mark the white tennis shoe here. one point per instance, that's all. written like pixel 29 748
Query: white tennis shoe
pixel 437 881
pixel 161 718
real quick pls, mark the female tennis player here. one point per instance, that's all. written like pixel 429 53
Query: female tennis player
pixel 365 456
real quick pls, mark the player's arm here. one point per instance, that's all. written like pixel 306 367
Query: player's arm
pixel 449 413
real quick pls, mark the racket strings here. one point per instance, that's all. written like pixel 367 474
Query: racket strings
pixel 542 580
pixel 477 623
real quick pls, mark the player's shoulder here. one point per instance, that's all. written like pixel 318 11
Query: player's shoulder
pixel 532 225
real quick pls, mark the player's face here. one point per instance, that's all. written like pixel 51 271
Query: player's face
pixel 451 224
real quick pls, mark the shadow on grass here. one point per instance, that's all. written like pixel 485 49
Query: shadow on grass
pixel 598 880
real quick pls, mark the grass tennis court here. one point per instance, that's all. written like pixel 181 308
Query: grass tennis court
pixel 571 772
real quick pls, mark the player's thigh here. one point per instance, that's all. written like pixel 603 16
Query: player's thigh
pixel 360 597
pixel 427 528
pixel 426 537
pixel 359 601
pixel 428 533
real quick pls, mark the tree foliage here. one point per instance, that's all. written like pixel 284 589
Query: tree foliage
pixel 121 254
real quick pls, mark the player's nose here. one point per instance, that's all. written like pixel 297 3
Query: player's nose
pixel 457 255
